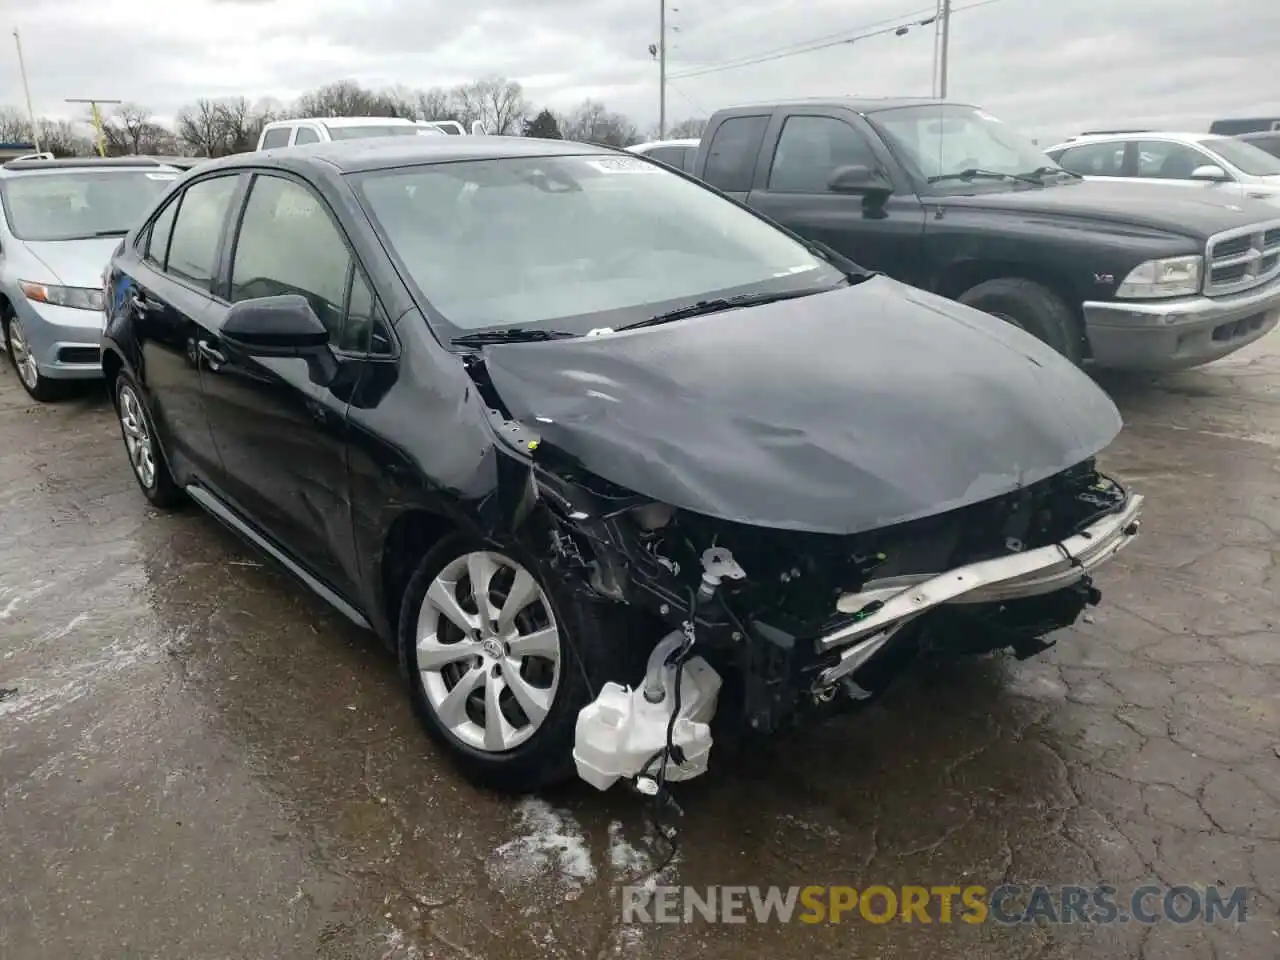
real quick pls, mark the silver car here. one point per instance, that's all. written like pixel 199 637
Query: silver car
pixel 60 220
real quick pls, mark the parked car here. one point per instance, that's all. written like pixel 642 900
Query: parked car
pixel 453 127
pixel 946 197
pixel 1223 167
pixel 435 379
pixel 1268 141
pixel 674 153
pixel 304 130
pixel 59 222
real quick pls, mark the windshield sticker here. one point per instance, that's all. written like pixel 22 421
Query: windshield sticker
pixel 986 116
pixel 804 268
pixel 622 165
pixel 162 176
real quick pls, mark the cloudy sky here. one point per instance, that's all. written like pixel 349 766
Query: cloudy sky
pixel 1049 66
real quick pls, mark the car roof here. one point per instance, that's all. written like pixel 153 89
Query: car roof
pixel 679 142
pixel 17 167
pixel 1180 137
pixel 855 103
pixel 348 121
pixel 381 153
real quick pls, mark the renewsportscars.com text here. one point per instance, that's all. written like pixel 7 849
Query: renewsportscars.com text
pixel 1006 904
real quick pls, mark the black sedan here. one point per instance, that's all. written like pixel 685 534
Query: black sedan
pixel 603 455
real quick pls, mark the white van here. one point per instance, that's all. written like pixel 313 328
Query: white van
pixel 294 133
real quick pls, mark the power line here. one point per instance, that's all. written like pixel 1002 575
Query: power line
pixel 898 25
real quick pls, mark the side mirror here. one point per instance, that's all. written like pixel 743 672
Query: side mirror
pixel 281 326
pixel 1210 171
pixel 859 180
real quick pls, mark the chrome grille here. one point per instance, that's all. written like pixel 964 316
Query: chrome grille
pixel 1241 259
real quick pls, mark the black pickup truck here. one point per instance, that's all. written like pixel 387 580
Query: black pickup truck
pixel 948 198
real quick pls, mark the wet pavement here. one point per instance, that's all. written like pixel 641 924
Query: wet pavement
pixel 199 759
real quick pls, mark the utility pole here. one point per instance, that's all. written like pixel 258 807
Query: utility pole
pixel 97 120
pixel 662 69
pixel 942 55
pixel 26 89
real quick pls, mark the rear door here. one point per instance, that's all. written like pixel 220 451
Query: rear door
pixel 801 152
pixel 170 305
pixel 280 422
pixel 732 154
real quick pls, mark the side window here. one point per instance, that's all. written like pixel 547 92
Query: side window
pixel 1094 159
pixel 158 237
pixel 668 155
pixel 687 156
pixel 306 135
pixel 365 329
pixel 1169 161
pixel 288 244
pixel 731 156
pixel 193 245
pixel 276 137
pixel 811 149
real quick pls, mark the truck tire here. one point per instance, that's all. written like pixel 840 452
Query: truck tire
pixel 1034 308
pixel 581 642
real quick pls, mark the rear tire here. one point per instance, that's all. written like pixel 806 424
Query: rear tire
pixel 1034 308
pixel 39 387
pixel 145 456
pixel 540 667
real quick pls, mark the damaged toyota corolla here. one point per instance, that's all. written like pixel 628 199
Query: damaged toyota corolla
pixel 613 462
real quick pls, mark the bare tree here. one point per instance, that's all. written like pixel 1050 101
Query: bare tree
pixel 345 98
pixel 200 127
pixel 61 138
pixel 496 102
pixel 689 129
pixel 592 122
pixel 14 126
pixel 126 128
pixel 434 104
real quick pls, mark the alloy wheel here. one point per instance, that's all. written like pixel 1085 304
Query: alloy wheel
pixel 488 651
pixel 23 359
pixel 137 438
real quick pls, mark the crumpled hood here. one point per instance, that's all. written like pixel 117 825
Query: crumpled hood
pixel 835 413
pixel 75 263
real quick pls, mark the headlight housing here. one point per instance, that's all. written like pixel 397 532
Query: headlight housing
pixel 77 298
pixel 1169 277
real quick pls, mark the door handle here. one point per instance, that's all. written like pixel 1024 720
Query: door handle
pixel 211 354
pixel 140 303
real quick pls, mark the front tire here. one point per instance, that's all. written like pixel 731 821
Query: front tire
pixel 1033 307
pixel 39 387
pixel 500 661
pixel 139 434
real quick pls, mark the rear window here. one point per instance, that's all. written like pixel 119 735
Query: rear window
pixel 371 130
pixel 79 204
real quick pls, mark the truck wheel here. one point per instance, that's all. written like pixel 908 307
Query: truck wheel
pixel 1033 307
pixel 500 660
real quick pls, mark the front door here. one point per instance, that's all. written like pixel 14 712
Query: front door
pixel 878 233
pixel 280 422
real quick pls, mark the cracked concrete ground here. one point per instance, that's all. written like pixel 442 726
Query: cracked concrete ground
pixel 198 759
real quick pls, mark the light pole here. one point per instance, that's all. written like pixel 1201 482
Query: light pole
pixel 26 89
pixel 662 69
pixel 942 54
pixel 96 114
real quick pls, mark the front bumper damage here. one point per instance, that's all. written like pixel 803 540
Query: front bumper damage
pixel 891 606
pixel 621 733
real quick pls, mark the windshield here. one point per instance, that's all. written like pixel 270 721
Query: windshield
pixel 372 130
pixel 1245 156
pixel 78 204
pixel 575 242
pixel 937 140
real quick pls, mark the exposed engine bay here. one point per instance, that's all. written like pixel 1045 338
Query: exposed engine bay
pixel 762 628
